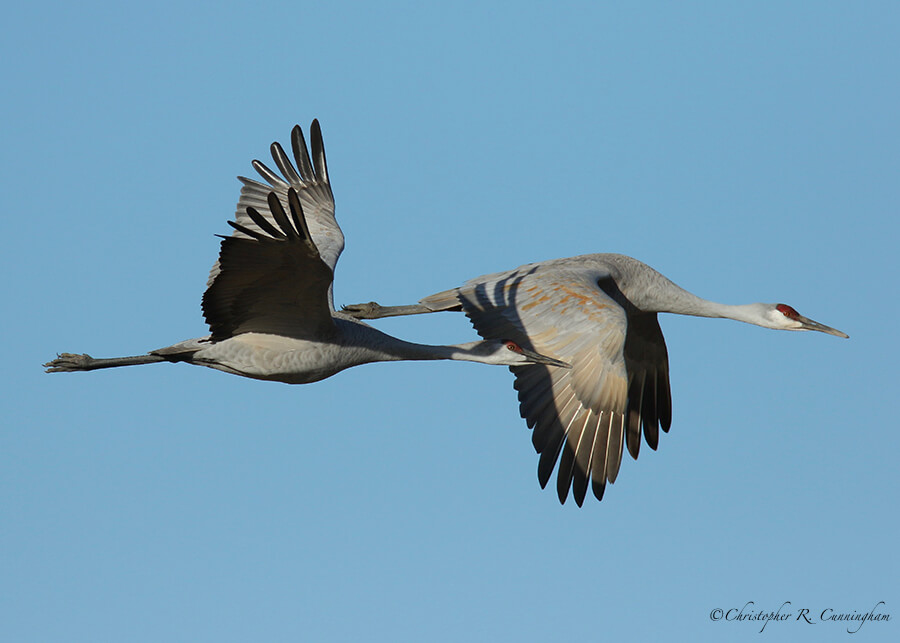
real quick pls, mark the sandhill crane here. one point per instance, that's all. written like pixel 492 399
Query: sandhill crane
pixel 269 302
pixel 598 313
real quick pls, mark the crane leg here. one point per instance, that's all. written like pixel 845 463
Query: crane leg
pixel 372 310
pixel 70 362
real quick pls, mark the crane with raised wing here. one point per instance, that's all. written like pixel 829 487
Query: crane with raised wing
pixel 269 302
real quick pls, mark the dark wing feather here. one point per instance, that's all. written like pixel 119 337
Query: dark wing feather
pixel 272 279
pixel 649 397
pixel 582 417
pixel 576 413
pixel 309 180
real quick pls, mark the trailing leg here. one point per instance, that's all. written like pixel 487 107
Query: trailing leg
pixel 372 310
pixel 70 362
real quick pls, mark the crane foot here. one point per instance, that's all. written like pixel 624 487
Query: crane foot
pixel 370 310
pixel 69 362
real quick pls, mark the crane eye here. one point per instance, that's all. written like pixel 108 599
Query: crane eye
pixel 787 311
pixel 513 347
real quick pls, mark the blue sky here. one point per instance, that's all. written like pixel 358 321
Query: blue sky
pixel 750 153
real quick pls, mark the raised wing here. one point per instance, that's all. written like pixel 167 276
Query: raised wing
pixel 309 178
pixel 271 277
pixel 581 416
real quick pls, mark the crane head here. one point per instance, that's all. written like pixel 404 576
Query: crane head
pixel 509 353
pixel 786 318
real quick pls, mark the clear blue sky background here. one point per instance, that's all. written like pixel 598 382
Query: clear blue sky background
pixel 750 153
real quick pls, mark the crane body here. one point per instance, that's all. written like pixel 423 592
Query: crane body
pixel 598 313
pixel 580 334
pixel 269 301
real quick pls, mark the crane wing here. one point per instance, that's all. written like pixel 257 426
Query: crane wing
pixel 271 278
pixel 309 178
pixel 583 416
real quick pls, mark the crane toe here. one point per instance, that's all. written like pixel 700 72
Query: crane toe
pixel 66 362
pixel 369 310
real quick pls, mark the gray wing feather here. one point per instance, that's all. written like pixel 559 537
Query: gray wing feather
pixel 583 417
pixel 313 191
pixel 271 279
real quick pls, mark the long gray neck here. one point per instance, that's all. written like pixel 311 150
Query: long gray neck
pixel 651 291
pixel 399 349
pixel 376 346
pixel 681 302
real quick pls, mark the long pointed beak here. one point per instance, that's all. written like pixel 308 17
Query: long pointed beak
pixel 537 358
pixel 809 324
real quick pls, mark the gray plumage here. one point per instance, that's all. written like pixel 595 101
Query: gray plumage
pixel 598 313
pixel 269 302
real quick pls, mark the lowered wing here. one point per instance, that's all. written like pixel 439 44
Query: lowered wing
pixel 583 416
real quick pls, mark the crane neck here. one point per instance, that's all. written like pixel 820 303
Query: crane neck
pixel 681 302
pixel 399 349
pixel 650 291
pixel 372 345
pixel 747 313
